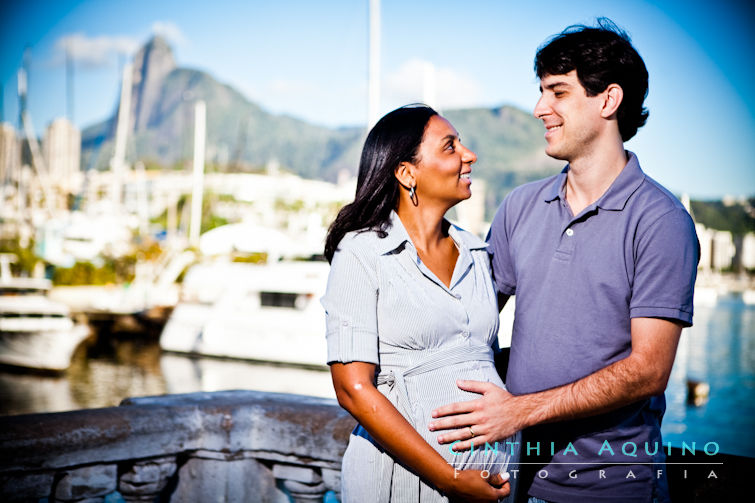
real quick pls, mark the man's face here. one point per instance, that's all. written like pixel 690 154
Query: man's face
pixel 572 119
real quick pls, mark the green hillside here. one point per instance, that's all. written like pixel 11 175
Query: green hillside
pixel 737 218
pixel 242 136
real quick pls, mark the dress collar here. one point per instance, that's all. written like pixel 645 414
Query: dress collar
pixel 397 237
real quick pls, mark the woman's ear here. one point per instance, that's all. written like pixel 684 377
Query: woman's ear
pixel 614 95
pixel 405 175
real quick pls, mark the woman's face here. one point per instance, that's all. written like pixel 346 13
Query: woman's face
pixel 443 172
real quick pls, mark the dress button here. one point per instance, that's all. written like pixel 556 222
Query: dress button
pixel 569 232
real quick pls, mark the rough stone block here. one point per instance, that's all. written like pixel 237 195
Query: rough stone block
pixel 301 492
pixel 297 473
pixel 87 482
pixel 25 487
pixel 145 479
pixel 210 480
pixel 332 479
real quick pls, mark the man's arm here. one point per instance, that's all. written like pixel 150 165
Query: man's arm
pixel 499 414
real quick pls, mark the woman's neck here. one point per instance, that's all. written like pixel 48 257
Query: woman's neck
pixel 426 226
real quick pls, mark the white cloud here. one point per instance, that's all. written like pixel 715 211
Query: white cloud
pixel 417 80
pixel 95 51
pixel 290 88
pixel 170 31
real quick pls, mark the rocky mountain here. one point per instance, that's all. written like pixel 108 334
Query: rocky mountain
pixel 241 135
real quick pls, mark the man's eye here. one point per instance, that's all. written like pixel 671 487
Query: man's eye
pixel 450 147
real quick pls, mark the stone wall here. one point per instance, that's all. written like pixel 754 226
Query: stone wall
pixel 221 446
pixel 231 446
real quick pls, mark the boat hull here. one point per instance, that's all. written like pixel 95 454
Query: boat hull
pixel 43 350
pixel 269 335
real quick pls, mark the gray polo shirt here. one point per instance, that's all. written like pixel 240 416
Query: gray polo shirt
pixel 578 281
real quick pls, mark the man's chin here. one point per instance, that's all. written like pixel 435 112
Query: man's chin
pixel 555 154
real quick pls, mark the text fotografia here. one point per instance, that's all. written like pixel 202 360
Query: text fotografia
pixel 600 474
pixel 630 449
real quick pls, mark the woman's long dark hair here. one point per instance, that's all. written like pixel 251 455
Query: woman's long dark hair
pixel 394 139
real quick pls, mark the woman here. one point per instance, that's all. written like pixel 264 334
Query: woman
pixel 410 308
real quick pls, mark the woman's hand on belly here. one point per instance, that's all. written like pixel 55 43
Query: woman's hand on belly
pixel 356 392
pixel 469 484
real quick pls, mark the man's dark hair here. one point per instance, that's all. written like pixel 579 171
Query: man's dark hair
pixel 601 55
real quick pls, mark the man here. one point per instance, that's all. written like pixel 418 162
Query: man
pixel 602 261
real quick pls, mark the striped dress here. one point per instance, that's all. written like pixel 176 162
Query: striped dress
pixel 384 306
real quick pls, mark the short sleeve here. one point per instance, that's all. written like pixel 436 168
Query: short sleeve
pixel 666 260
pixel 350 303
pixel 498 246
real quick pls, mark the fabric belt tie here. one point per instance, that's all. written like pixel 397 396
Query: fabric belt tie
pixel 397 394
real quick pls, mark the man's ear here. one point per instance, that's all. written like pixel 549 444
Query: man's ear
pixel 405 174
pixel 614 95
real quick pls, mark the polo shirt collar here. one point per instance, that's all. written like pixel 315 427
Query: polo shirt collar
pixel 397 236
pixel 558 187
pixel 617 195
pixel 628 181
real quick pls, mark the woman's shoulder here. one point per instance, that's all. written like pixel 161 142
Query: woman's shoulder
pixel 362 243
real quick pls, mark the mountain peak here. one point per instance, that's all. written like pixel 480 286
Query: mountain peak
pixel 157 43
pixel 152 64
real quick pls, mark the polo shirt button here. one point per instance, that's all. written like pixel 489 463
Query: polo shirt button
pixel 457 295
pixel 569 232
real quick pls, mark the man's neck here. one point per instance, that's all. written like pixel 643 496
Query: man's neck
pixel 590 176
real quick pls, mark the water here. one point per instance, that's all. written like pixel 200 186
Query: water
pixel 103 374
pixel 718 350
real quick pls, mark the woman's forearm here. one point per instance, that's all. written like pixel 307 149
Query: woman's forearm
pixel 394 433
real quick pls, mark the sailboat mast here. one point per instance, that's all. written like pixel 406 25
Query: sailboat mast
pixel 198 178
pixel 118 162
pixel 373 107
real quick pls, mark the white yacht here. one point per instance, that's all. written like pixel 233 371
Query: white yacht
pixel 35 332
pixel 269 312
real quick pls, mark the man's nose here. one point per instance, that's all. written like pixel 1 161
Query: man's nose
pixel 541 108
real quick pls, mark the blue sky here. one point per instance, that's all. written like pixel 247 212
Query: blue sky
pixel 309 59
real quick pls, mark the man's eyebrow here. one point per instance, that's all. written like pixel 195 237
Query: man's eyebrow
pixel 554 84
pixel 450 137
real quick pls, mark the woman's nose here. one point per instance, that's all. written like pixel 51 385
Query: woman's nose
pixel 469 156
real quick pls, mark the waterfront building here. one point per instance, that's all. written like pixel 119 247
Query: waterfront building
pixel 747 251
pixel 8 153
pixel 723 250
pixel 705 237
pixel 717 249
pixel 62 153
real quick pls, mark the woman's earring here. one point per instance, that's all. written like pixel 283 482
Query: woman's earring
pixel 413 196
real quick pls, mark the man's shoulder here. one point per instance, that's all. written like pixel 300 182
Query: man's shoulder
pixel 529 193
pixel 652 200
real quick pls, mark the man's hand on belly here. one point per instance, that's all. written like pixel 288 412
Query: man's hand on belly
pixel 492 417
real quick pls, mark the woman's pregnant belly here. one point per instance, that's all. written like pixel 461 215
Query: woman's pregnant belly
pixel 428 391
